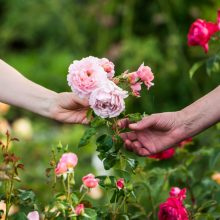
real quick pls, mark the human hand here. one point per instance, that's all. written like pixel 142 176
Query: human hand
pixel 154 133
pixel 68 108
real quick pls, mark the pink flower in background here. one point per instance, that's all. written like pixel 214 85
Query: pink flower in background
pixel 108 100
pixel 70 159
pixel 120 183
pixel 33 216
pixel 67 162
pixel 164 154
pixel 61 169
pixel 201 31
pixel 90 181
pixel 146 75
pixel 172 209
pixel 85 76
pixel 79 209
pixel 108 67
pixel 136 88
pixel 178 193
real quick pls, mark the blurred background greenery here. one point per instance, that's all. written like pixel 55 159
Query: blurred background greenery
pixel 41 38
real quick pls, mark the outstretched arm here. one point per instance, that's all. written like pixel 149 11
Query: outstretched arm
pixel 16 90
pixel 158 132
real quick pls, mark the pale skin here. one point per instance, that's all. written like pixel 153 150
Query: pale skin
pixel 18 91
pixel 161 131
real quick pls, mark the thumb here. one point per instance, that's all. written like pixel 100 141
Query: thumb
pixel 144 123
pixel 84 102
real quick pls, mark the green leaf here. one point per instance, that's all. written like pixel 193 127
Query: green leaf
pixel 26 195
pixel 123 174
pixel 110 161
pixel 213 65
pixel 207 204
pixel 98 122
pixel 89 214
pixel 19 216
pixel 132 163
pixel 89 132
pixel 194 68
pixel 104 143
pixel 134 117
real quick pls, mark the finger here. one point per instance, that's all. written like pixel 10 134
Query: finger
pixel 128 135
pixel 128 145
pixel 84 102
pixel 123 123
pixel 144 123
pixel 136 146
pixel 143 152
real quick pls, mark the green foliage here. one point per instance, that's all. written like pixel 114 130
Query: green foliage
pixel 89 132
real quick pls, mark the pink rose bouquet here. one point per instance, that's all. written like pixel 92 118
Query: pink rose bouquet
pixel 93 78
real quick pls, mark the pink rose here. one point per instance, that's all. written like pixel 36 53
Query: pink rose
pixel 136 88
pixel 33 216
pixel 90 181
pixel 61 168
pixel 70 159
pixel 67 161
pixel 164 154
pixel 79 210
pixel 201 31
pixel 132 77
pixel 146 75
pixel 85 76
pixel 108 67
pixel 172 209
pixel 120 183
pixel 108 100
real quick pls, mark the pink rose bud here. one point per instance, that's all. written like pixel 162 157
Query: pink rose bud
pixel 79 209
pixel 173 208
pixel 132 77
pixel 33 216
pixel 120 183
pixel 146 75
pixel 108 67
pixel 136 88
pixel 201 31
pixel 90 181
pixel 70 159
pixel 61 168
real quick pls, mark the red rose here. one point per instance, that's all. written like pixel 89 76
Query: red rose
pixel 201 31
pixel 172 209
pixel 164 154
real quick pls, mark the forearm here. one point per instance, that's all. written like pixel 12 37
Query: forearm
pixel 202 114
pixel 16 90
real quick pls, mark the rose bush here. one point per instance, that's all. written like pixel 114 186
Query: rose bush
pixel 136 188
